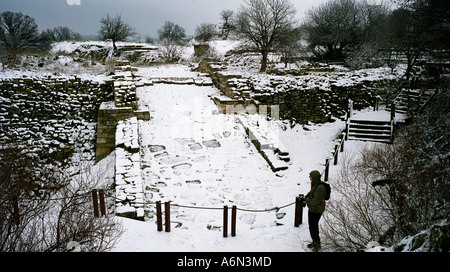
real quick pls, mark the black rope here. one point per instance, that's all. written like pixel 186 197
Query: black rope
pixel 206 208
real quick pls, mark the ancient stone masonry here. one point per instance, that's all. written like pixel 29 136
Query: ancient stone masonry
pixel 122 107
pixel 128 180
pixel 305 99
pixel 108 117
pixel 125 94
pixel 118 132
pixel 52 113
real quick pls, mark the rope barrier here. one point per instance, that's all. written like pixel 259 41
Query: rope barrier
pixel 205 208
pixel 266 210
pixel 196 207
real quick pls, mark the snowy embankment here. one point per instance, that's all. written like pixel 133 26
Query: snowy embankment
pixel 191 155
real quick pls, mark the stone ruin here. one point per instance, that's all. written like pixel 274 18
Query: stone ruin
pixel 54 115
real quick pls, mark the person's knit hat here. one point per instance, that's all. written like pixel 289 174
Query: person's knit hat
pixel 315 175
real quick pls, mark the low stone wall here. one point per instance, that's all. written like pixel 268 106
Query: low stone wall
pixel 302 103
pixel 267 142
pixel 54 115
pixel 129 188
pixel 219 76
pixel 123 106
pixel 316 105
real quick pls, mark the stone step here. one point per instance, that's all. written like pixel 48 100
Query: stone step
pixel 370 139
pixel 370 130
pixel 353 131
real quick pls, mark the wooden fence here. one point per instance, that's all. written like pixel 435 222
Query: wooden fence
pixel 298 214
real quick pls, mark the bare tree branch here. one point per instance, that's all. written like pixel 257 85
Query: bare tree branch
pixel 115 29
pixel 265 23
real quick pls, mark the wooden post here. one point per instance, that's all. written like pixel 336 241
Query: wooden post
pixel 327 168
pixel 350 108
pixel 225 221
pixel 392 131
pixel 392 111
pixel 167 215
pixel 233 220
pixel 336 151
pixel 342 143
pixel 377 103
pixel 95 202
pixel 346 131
pixel 298 215
pixel 101 194
pixel 159 216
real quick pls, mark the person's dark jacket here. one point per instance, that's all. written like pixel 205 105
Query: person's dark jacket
pixel 315 199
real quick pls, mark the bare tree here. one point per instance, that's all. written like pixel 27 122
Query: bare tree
pixel 358 213
pixel 18 33
pixel 171 52
pixel 333 26
pixel 418 28
pixel 264 23
pixel 337 25
pixel 227 23
pixel 205 32
pixel 171 37
pixel 62 33
pixel 171 33
pixel 115 29
pixel 291 47
pixel 43 207
pixel 431 21
pixel 400 33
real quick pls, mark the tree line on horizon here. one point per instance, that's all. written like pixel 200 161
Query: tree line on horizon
pixel 337 30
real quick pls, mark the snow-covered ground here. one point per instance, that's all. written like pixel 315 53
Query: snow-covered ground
pixel 191 155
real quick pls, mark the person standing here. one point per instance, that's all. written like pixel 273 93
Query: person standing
pixel 315 200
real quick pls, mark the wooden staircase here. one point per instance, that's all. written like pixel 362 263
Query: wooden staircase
pixel 410 100
pixel 368 130
pixel 373 126
pixel 407 102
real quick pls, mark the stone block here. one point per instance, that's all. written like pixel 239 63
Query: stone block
pixel 143 115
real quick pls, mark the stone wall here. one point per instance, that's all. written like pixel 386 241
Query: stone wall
pixel 304 104
pixel 125 94
pixel 108 117
pixel 123 106
pixel 316 105
pixel 52 114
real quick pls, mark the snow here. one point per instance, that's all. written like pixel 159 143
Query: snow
pixel 166 71
pixel 68 47
pixel 222 47
pixel 66 65
pixel 380 115
pixel 191 155
pixel 142 236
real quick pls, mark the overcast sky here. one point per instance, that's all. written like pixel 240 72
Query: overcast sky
pixel 147 16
